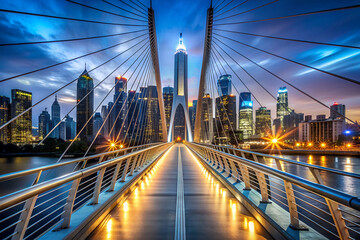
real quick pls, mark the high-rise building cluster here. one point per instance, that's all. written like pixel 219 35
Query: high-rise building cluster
pixel 219 124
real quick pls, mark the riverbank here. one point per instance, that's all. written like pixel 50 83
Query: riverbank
pixel 307 152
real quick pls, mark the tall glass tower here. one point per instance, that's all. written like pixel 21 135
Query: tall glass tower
pixel 85 108
pixel 55 117
pixel 224 85
pixel 282 105
pixel 180 98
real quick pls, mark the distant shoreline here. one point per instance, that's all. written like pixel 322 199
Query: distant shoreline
pixel 308 152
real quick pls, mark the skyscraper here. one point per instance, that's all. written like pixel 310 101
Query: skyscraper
pixel 133 112
pixel 246 122
pixel 192 115
pixel 70 127
pixel 282 105
pixel 44 124
pixel 85 109
pixel 4 117
pixel 244 96
pixel 98 121
pixel 104 114
pixel 225 117
pixel 120 108
pixel 207 122
pixel 337 111
pixel 55 118
pixel 263 121
pixel 168 95
pixel 21 128
pixel 180 100
pixel 224 85
pixel 152 131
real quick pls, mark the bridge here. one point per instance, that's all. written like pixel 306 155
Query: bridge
pixel 151 187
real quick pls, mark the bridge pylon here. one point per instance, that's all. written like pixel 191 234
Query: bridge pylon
pixel 156 65
pixel 205 62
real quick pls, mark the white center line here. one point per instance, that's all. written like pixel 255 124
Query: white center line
pixel 180 231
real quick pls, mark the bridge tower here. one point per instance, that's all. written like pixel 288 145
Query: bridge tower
pixel 180 98
pixel 205 62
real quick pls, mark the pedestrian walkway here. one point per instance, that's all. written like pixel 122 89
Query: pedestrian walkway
pixel 180 200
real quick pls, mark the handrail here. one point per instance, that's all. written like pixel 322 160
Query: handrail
pixel 322 190
pixel 13 175
pixel 349 174
pixel 19 196
pixel 269 182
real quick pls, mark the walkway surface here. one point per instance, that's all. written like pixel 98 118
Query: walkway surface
pixel 180 199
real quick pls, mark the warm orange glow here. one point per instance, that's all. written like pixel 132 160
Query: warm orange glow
pixel 251 226
pixel 310 144
pixel 121 146
pixel 297 144
pixel 323 145
pixel 348 145
pixel 274 140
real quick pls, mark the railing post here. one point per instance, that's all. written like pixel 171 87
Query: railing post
pixel 334 209
pixel 294 216
pixel 68 208
pixel 126 168
pixel 25 216
pixel 234 171
pixel 134 165
pixel 115 176
pixel 139 161
pixel 24 219
pixel 244 173
pixel 262 183
pixel 97 188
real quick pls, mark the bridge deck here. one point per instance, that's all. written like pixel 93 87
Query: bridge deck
pixel 211 212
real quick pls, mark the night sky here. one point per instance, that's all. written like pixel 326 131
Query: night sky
pixel 188 17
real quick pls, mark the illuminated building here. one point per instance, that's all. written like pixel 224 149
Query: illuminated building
pixel 168 95
pixel 55 118
pixel 262 121
pixel 319 131
pixel 139 130
pixel 224 85
pixel 85 109
pixel 246 122
pixel 21 128
pixel 98 121
pixel 179 109
pixel 282 106
pixel 291 121
pixel 4 117
pixel 337 111
pixel 70 127
pixel 44 124
pixel 244 96
pixel 133 110
pixel 192 115
pixel 153 122
pixel 225 117
pixel 207 120
pixel 120 108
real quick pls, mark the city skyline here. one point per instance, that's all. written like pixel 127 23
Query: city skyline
pixel 331 59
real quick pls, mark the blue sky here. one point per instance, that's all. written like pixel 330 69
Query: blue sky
pixel 188 17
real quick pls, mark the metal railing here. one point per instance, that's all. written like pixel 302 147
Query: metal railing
pixel 332 212
pixel 30 212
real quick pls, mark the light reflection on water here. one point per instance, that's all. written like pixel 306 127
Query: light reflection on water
pixel 15 164
pixel 344 163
